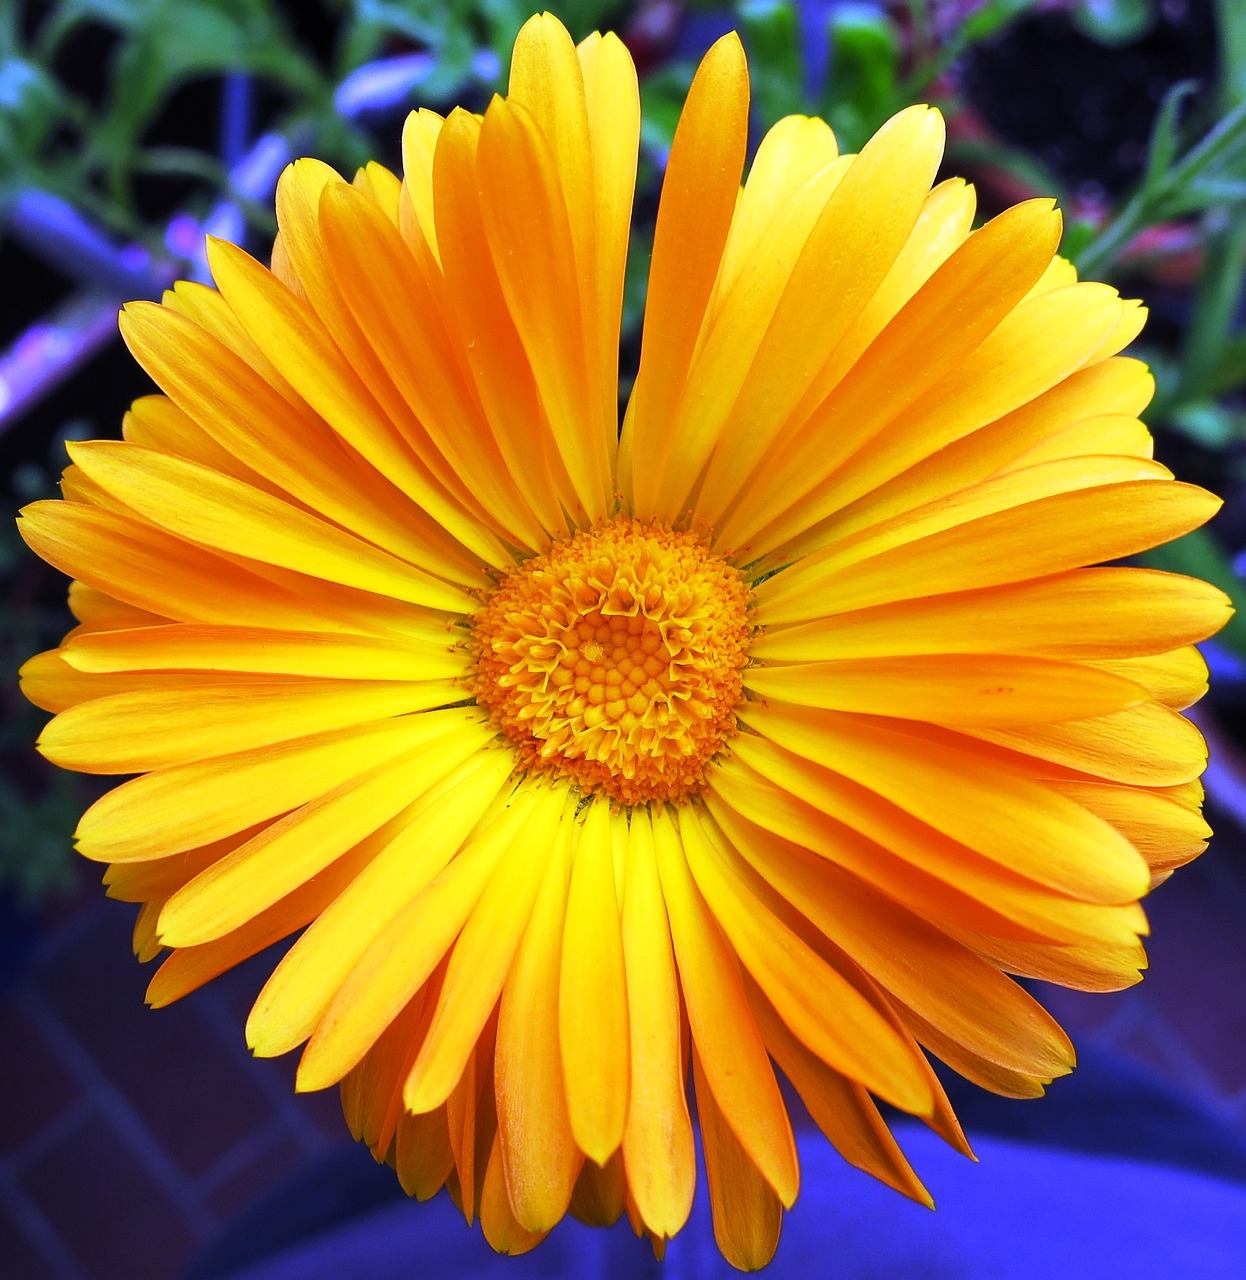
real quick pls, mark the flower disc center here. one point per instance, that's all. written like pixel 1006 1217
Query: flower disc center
pixel 616 659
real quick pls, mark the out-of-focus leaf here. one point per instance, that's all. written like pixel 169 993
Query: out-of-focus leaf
pixel 865 59
pixel 772 36
pixel 1114 22
pixel 1212 425
pixel 1229 373
pixel 30 105
pixel 178 41
pixel 1200 555
pixel 1164 139
pixel 990 18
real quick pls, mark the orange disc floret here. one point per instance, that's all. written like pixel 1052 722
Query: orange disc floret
pixel 615 659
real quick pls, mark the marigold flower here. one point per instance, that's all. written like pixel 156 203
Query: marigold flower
pixel 776 729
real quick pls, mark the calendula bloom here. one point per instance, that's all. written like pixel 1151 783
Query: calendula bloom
pixel 602 767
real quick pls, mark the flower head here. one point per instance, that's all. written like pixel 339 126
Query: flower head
pixel 597 765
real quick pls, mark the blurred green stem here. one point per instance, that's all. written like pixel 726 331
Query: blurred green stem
pixel 1215 301
pixel 1231 21
pixel 1097 259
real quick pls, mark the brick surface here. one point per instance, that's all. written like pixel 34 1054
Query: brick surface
pixel 194 1096
pixel 113 1216
pixel 35 1089
pixel 19 1257
pixel 275 1161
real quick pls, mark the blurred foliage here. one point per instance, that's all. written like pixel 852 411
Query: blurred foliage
pixel 854 63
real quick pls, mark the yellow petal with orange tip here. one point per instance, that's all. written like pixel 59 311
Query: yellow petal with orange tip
pixel 592 996
pixel 422 1157
pixel 992 806
pixel 657 1113
pixel 724 1032
pixel 819 814
pixel 747 1212
pixel 497 1220
pixel 916 963
pixel 825 1010
pixel 840 1107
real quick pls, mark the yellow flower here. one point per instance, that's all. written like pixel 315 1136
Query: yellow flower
pixel 774 729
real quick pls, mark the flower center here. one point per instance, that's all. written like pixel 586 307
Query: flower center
pixel 615 659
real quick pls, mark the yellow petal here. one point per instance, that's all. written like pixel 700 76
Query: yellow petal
pixel 483 953
pixel 824 1009
pixel 295 997
pixel 1149 745
pixel 156 728
pixel 301 844
pixel 747 1213
pixel 933 875
pixel 396 964
pixel 982 690
pixel 204 507
pixel 1083 613
pixel 1049 535
pixel 188 805
pixel 592 1003
pixel 282 444
pixel 723 1028
pixel 694 218
pixel 842 1109
pixel 252 649
pixel 991 806
pixel 539 1155
pixel 919 965
pixel 400 318
pixel 657 1142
